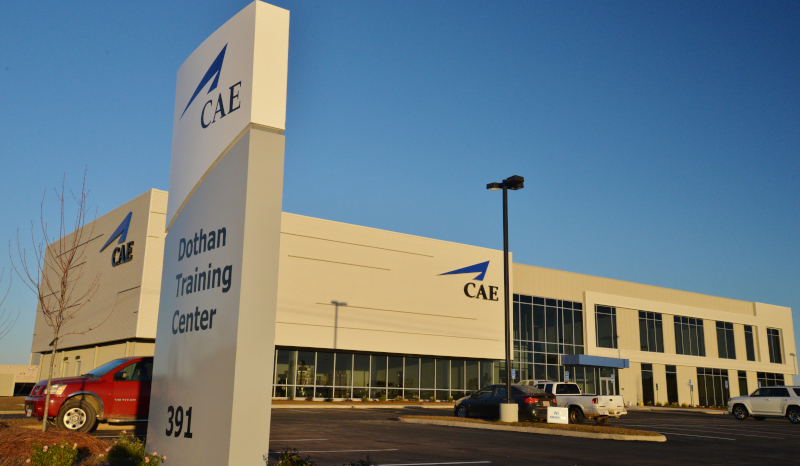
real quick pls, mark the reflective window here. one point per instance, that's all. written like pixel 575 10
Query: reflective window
pixel 651 333
pixel 749 342
pixel 712 387
pixel 743 383
pixel 606 318
pixel 768 379
pixel 689 337
pixel 725 345
pixel 774 343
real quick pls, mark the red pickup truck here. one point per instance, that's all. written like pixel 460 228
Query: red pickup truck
pixel 118 391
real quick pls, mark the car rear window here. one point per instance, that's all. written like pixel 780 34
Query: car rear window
pixel 568 389
pixel 796 391
pixel 780 392
pixel 526 390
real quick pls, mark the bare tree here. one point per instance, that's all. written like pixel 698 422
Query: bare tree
pixel 7 318
pixel 52 270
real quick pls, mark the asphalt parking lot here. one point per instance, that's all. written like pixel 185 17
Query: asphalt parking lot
pixel 334 437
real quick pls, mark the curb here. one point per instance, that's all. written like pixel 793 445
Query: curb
pixel 13 412
pixel 348 406
pixel 675 410
pixel 538 430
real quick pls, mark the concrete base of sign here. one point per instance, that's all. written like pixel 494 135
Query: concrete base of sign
pixel 509 412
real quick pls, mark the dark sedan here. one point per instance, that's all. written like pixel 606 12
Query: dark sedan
pixel 532 402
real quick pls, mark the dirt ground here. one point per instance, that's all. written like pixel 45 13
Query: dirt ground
pixel 12 403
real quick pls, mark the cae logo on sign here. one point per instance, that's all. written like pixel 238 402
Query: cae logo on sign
pixel 488 293
pixel 213 72
pixel 122 253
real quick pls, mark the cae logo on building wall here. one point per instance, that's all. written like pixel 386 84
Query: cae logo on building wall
pixel 481 291
pixel 214 71
pixel 122 253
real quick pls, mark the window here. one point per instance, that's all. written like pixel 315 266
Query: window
pixel 768 379
pixel 749 343
pixel 727 350
pixel 774 342
pixel 743 383
pixel 672 384
pixel 712 387
pixel 568 389
pixel 606 318
pixel 689 338
pixel 651 333
pixel 648 395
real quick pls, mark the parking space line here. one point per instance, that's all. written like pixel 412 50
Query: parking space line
pixel 300 440
pixel 702 436
pixel 657 426
pixel 432 464
pixel 345 451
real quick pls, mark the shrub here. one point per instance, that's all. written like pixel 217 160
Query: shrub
pixel 415 398
pixel 62 454
pixel 365 398
pixel 450 398
pixel 290 457
pixel 399 398
pixel 128 450
pixel 649 403
pixel 382 398
pixel 684 405
pixel 432 399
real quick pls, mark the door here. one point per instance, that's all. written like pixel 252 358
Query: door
pixel 493 406
pixel 768 400
pixel 480 403
pixel 606 386
pixel 131 392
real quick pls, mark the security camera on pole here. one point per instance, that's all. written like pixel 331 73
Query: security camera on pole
pixel 509 411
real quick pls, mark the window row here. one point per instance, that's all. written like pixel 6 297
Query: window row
pixel 548 320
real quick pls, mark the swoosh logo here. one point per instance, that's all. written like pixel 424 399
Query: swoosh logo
pixel 480 269
pixel 213 72
pixel 121 232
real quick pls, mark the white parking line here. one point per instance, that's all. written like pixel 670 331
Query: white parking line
pixel 657 426
pixel 431 464
pixel 336 451
pixel 300 440
pixel 703 436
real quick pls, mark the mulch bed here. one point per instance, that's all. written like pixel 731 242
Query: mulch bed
pixel 16 441
pixel 545 425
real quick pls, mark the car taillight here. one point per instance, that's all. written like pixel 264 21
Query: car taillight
pixel 594 400
pixel 555 401
pixel 531 401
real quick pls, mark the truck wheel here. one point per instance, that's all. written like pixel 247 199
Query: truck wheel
pixel 76 416
pixel 601 421
pixel 740 412
pixel 576 416
pixel 794 415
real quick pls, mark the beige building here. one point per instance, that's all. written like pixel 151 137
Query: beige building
pixel 367 312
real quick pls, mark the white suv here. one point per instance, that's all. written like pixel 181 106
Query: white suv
pixel 768 401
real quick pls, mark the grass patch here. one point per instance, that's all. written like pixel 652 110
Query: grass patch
pixel 543 425
pixel 12 403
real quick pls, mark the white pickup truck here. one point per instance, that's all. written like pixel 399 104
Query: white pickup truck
pixel 597 407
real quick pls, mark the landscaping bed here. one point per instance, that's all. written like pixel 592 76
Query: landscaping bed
pixel 544 425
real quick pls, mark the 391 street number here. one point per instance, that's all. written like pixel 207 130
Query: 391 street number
pixel 176 422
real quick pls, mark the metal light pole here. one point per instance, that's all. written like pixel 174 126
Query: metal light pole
pixel 508 411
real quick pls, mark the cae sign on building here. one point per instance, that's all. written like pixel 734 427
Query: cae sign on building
pixel 219 285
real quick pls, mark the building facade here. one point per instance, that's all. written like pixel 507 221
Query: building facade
pixel 370 313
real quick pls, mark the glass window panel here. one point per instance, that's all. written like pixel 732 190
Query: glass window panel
pixel 486 373
pixel 748 343
pixel 472 376
pixel 457 374
pixel 659 335
pixel 360 393
pixel 340 392
pixel 693 340
pixel 442 374
pixel 560 325
pixel 395 374
pixel 568 332
pixel 377 393
pixel 442 395
pixel 515 314
pixel 701 339
pixel 577 323
pixel 428 373
pixel 605 337
pixel 538 323
pixel 526 322
pixel 551 323
pixel 378 378
pixel 553 373
pixel 360 372
pixel 651 335
pixel 324 368
pixel 324 392
pixel 412 373
pixel 642 333
pixel 722 344
pixel 426 395
pixel 284 367
pixel 344 370
pixel 305 367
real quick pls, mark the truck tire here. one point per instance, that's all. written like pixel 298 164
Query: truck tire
pixel 794 415
pixel 76 416
pixel 740 412
pixel 576 415
pixel 601 421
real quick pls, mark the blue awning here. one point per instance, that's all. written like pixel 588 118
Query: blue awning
pixel 598 361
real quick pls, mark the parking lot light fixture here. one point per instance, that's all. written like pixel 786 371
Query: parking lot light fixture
pixel 513 183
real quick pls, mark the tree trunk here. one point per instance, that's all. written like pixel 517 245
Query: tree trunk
pixel 47 388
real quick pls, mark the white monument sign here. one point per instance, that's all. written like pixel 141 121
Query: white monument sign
pixel 213 366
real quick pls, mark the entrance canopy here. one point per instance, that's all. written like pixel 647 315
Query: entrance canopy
pixel 597 361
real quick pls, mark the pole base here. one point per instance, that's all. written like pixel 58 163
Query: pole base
pixel 509 412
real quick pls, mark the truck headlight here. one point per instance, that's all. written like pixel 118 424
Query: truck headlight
pixel 57 389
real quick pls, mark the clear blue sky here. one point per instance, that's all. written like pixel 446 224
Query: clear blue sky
pixel 660 141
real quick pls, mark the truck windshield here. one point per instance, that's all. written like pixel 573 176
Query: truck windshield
pixel 105 368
